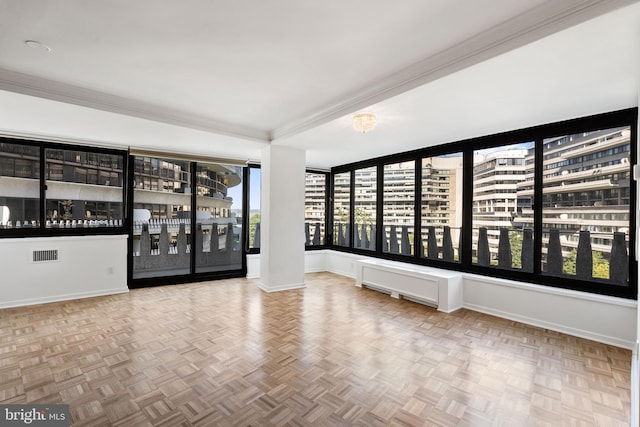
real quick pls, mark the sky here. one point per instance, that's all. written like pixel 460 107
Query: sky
pixel 254 192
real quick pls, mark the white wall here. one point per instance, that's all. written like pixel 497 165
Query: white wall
pixel 597 317
pixel 282 218
pixel 87 266
pixel 343 263
pixel 253 266
pixel 314 262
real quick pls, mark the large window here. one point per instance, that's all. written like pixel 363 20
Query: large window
pixel 364 210
pixel 502 206
pixel 341 208
pixel 56 189
pixel 83 189
pixel 315 209
pixel 441 207
pixel 19 186
pixel 586 205
pixel 399 207
pixel 553 204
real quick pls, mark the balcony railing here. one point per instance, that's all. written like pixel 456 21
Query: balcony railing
pixel 561 255
pixel 165 245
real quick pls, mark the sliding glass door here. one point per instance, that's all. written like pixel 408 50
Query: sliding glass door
pixel 187 219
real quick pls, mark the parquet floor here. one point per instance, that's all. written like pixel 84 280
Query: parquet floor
pixel 226 354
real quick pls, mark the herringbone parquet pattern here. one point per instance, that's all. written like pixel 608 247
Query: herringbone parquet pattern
pixel 226 354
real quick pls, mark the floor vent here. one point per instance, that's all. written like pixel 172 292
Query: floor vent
pixel 45 255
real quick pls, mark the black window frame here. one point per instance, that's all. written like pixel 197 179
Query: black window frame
pixel 42 230
pixel 626 117
pixel 194 275
pixel 247 214
pixel 327 206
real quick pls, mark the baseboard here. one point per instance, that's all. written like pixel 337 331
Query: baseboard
pixel 63 297
pixel 343 273
pixel 553 326
pixel 315 270
pixel 286 287
pixel 635 388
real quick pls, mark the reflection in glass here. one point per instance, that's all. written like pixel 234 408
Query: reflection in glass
pixel 218 240
pixel 19 186
pixel 161 217
pixel 84 189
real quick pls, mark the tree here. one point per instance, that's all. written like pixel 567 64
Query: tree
pixel 569 264
pixel 360 216
pixel 600 264
pixel 253 220
pixel 515 240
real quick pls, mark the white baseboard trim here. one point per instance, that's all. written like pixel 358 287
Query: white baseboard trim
pixel 553 326
pixel 62 297
pixel 635 388
pixel 343 273
pixel 286 287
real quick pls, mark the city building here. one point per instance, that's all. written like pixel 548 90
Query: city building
pixel 587 187
pixel 496 201
pixel 315 206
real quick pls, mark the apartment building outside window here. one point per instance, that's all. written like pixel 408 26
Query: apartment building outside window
pixel 315 208
pixel 441 207
pixel 19 185
pixel 498 237
pixel 552 204
pixel 586 204
pixel 398 207
pixel 364 213
pixel 341 208
pixel 55 189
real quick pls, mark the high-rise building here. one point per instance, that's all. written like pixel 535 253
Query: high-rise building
pixel 496 176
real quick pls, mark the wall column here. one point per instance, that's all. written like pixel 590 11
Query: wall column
pixel 635 364
pixel 282 242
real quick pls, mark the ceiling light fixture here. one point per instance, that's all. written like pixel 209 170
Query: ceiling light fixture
pixel 364 121
pixel 37 45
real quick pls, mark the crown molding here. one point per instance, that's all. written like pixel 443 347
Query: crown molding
pixel 56 91
pixel 534 24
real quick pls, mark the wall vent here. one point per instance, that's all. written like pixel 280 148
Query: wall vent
pixel 45 255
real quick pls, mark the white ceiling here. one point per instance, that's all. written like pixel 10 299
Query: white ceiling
pixel 225 79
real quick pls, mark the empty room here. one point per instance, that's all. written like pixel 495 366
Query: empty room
pixel 294 213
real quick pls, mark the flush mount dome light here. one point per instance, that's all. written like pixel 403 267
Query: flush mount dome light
pixel 364 121
pixel 33 44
